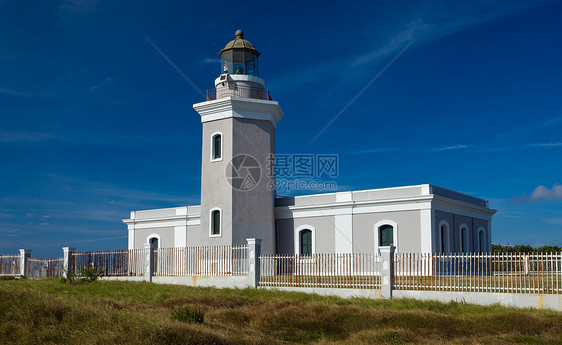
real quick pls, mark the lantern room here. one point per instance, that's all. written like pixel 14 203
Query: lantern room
pixel 239 57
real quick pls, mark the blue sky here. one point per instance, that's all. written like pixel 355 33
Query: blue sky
pixel 94 122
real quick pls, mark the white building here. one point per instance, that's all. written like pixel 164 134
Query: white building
pixel 237 201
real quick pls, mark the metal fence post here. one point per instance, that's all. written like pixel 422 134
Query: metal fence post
pixel 67 261
pixel 24 263
pixel 387 271
pixel 254 252
pixel 148 262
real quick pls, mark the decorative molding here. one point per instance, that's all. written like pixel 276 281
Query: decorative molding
pixel 180 236
pixel 237 107
pixel 343 227
pixel 426 229
pixel 131 238
pixel 163 218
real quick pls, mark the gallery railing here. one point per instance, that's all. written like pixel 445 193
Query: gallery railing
pixel 238 91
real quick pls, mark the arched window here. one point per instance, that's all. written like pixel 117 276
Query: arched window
pixel 216 147
pixel 464 239
pixel 444 236
pixel 305 242
pixel 153 243
pixel 386 235
pixel 215 222
pixel 153 247
pixel 482 240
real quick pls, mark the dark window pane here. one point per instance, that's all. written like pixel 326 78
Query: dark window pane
pixel 217 147
pixel 443 238
pixel 482 241
pixel 216 222
pixel 386 234
pixel 306 242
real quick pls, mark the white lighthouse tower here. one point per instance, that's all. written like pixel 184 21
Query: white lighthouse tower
pixel 238 120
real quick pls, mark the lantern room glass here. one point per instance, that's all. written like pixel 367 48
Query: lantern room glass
pixel 239 62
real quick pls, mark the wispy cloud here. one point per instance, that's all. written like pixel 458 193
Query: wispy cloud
pixel 104 82
pixel 212 61
pixel 555 221
pixel 14 93
pixel 427 149
pixel 517 132
pixel 450 148
pixel 78 6
pixel 541 193
pixel 465 147
pixel 423 25
pixel 558 144
pixel 413 31
pixel 26 137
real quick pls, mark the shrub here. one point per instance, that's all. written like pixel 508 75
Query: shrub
pixel 188 314
pixel 89 275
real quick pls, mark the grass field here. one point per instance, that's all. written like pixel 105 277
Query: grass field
pixel 109 312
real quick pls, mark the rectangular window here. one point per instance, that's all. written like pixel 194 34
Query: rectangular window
pixel 217 146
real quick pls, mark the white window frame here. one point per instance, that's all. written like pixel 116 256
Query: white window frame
pixel 213 147
pixel 462 227
pixel 156 236
pixel 297 238
pixel 442 248
pixel 394 233
pixel 211 222
pixel 481 229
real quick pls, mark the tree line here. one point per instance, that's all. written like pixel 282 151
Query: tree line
pixel 507 248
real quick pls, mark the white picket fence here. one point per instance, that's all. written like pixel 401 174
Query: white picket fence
pixel 479 272
pixel 10 265
pixel 201 261
pixel 358 271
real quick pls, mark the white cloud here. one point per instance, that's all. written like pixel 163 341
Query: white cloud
pixel 544 193
pixel 546 145
pixel 541 193
pixel 556 221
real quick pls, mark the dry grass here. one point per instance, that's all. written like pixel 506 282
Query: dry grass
pixel 47 311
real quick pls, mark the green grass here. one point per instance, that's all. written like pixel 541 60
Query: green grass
pixel 110 312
